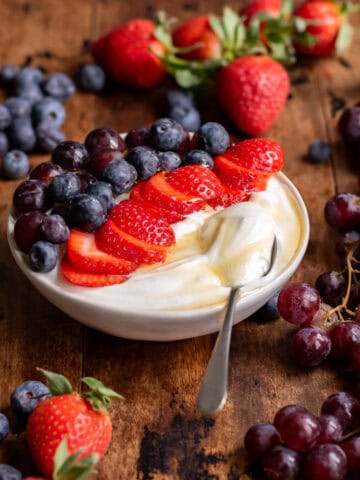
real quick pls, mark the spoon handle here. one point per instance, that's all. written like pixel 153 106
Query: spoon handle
pixel 213 389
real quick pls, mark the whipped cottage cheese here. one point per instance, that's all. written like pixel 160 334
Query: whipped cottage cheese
pixel 213 250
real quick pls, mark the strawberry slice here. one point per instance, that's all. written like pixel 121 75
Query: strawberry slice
pixel 162 195
pixel 260 154
pixel 85 256
pixel 229 197
pixel 114 241
pixel 84 279
pixel 195 180
pixel 238 178
pixel 137 192
pixel 142 222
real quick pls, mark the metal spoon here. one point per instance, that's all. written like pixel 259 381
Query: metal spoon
pixel 213 389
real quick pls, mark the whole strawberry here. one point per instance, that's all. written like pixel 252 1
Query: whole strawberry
pixel 82 419
pixel 129 54
pixel 324 25
pixel 252 90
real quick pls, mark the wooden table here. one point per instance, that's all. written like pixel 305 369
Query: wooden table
pixel 158 433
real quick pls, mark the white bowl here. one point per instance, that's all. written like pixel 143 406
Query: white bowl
pixel 161 325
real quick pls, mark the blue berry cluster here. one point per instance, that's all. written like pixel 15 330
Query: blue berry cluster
pixel 31 118
pixel 182 109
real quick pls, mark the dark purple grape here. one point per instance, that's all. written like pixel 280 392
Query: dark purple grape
pixel 323 319
pixel 298 303
pixel 325 462
pixel 342 211
pixel 46 172
pixel 27 230
pixel 331 286
pixel 104 139
pixel 61 209
pixel 351 448
pixel 345 336
pixel 330 430
pixel 282 414
pixel 310 346
pixel 259 438
pixel 86 179
pixel 349 124
pixel 54 229
pixel 138 137
pixel 299 430
pixel 345 407
pixel 99 160
pixel 345 240
pixel 354 299
pixel 30 195
pixel 355 359
pixel 70 155
pixel 281 463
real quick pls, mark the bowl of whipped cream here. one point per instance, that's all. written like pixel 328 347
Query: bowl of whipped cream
pixel 185 297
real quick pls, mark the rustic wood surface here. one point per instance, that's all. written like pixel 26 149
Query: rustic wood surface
pixel 157 432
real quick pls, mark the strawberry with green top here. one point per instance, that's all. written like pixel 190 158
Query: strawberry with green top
pixel 254 7
pixel 82 419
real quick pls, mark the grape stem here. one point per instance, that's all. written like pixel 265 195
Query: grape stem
pixel 349 435
pixel 350 272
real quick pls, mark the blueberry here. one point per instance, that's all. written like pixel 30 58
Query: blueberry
pixel 166 134
pixel 43 257
pixel 29 75
pixel 49 135
pixel 59 86
pixel 22 135
pixel 5 117
pixel 169 161
pixel 54 229
pixel 15 164
pixel 103 192
pixel 8 73
pixel 198 157
pixel 26 396
pixel 7 472
pixel 120 174
pixel 70 155
pixel 179 97
pixel 187 116
pixel 4 427
pixel 269 311
pixel 18 107
pixel 91 77
pixel 213 138
pixel 145 160
pixel 30 92
pixel 319 152
pixel 63 187
pixel 4 144
pixel 86 212
pixel 137 137
pixel 48 109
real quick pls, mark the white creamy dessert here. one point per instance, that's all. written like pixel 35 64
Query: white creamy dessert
pixel 214 249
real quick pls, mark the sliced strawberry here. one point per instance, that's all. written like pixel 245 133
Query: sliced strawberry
pixel 137 192
pixel 85 256
pixel 142 222
pixel 229 197
pixel 162 195
pixel 84 279
pixel 238 178
pixel 195 180
pixel 259 154
pixel 114 241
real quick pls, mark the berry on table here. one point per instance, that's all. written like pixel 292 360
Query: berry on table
pixel 198 157
pixel 120 174
pixel 15 164
pixel 22 134
pixel 48 109
pixel 59 86
pixel 104 139
pixel 4 143
pixel 298 303
pixel 145 160
pixel 8 73
pixel 91 77
pixel 29 75
pixel 168 161
pixel 180 98
pixel 4 426
pixel 29 91
pixel 310 346
pixel 103 192
pixel 213 138
pixel 166 134
pixel 86 212
pixel 319 152
pixel 18 107
pixel 43 257
pixel 5 117
pixel 48 135
pixel 7 472
pixel 30 195
pixel 64 186
pixel 187 116
pixel 269 311
pixel 70 155
pixel 27 396
pixel 54 229
pixel 27 230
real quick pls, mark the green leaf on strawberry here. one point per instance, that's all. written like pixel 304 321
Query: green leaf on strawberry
pixel 58 384
pixel 99 396
pixel 69 467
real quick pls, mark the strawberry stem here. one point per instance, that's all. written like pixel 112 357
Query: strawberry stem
pixel 99 396
pixel 69 467
pixel 58 384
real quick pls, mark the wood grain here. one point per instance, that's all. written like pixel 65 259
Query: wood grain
pixel 157 432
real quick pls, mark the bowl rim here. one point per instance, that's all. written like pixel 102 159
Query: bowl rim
pixel 163 314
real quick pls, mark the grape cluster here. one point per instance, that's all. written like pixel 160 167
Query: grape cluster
pixel 301 445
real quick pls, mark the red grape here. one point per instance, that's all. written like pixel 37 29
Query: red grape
pixel 331 286
pixel 27 230
pixel 284 412
pixel 345 407
pixel 46 172
pixel 355 359
pixel 30 195
pixel 104 139
pixel 330 430
pixel 137 137
pixel 299 303
pixel 325 462
pixel 345 241
pixel 342 211
pixel 281 463
pixel 259 438
pixel 310 346
pixel 325 320
pixel 101 158
pixel 352 451
pixel 345 336
pixel 299 430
